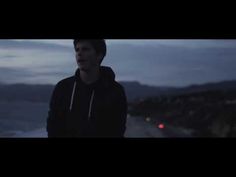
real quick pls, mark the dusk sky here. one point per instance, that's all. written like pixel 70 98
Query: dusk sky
pixel 152 62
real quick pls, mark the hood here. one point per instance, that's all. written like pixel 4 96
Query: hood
pixel 107 74
pixel 107 77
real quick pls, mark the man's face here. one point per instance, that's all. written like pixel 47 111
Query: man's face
pixel 86 56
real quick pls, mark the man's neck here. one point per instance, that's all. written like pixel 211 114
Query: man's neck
pixel 90 76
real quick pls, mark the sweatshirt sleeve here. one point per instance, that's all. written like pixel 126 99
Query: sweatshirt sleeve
pixel 55 114
pixel 118 125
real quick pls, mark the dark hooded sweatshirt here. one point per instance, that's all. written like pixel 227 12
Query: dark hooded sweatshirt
pixel 88 110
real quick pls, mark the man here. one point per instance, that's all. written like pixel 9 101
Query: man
pixel 91 103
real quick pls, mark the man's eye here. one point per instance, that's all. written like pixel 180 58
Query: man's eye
pixel 83 49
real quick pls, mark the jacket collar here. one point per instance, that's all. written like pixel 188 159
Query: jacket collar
pixel 107 76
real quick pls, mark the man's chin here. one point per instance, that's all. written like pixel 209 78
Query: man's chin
pixel 83 68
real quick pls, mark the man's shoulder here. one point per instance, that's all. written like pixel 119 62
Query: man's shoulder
pixel 119 94
pixel 118 87
pixel 65 82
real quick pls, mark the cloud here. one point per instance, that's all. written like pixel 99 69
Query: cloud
pixel 8 56
pixel 11 75
pixel 181 43
pixel 61 42
pixel 171 63
pixel 33 44
pixel 26 75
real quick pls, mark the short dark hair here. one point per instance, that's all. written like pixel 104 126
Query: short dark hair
pixel 98 44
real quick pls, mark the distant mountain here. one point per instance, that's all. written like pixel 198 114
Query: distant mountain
pixel 24 92
pixel 224 85
pixel 134 90
pixel 42 93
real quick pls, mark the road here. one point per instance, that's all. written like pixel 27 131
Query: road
pixel 136 128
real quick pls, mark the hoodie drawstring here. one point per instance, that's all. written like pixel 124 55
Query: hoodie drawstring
pixel 72 96
pixel 90 103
